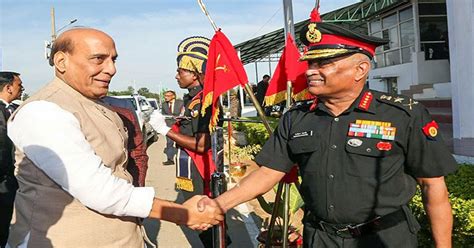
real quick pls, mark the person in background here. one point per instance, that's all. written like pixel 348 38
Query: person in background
pixel 262 87
pixel 11 88
pixel 175 108
pixel 71 164
pixel 138 158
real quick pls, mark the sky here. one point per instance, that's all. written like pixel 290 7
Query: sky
pixel 146 33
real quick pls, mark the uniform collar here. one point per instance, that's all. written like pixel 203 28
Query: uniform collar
pixel 194 90
pixel 363 102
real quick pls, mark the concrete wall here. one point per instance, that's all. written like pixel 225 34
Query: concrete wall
pixel 403 73
pixel 461 38
pixel 420 71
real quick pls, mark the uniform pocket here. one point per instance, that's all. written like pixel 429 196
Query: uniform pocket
pixel 302 148
pixel 367 157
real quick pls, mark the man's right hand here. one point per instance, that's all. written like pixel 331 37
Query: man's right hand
pixel 203 218
pixel 157 121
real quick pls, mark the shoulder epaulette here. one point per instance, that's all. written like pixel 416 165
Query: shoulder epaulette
pixel 305 104
pixel 402 102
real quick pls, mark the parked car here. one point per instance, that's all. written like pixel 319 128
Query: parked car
pixel 142 109
pixel 154 103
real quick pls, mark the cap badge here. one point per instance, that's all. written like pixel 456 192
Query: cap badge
pixel 354 142
pixel 313 35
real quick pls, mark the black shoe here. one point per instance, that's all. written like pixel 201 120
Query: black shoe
pixel 168 162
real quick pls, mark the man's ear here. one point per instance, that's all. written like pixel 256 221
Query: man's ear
pixel 362 69
pixel 60 61
pixel 9 88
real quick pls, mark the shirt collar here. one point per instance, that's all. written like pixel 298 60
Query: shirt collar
pixel 194 90
pixel 4 102
pixel 363 102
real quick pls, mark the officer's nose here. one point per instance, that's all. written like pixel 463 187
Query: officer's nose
pixel 109 67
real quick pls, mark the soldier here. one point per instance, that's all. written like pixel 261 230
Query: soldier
pixel 360 153
pixel 191 133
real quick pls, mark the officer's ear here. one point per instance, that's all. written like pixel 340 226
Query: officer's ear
pixel 60 61
pixel 362 67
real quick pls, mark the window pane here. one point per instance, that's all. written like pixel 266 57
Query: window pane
pixel 380 48
pixel 392 58
pixel 435 50
pixel 407 33
pixel 392 36
pixel 379 61
pixel 389 21
pixel 375 26
pixel 406 54
pixel 433 28
pixel 432 8
pixel 406 14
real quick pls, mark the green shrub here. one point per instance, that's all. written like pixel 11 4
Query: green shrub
pixel 461 189
pixel 256 133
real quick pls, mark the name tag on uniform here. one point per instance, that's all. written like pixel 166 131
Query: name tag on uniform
pixel 302 134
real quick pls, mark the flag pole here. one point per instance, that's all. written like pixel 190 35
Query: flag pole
pixel 218 232
pixel 247 88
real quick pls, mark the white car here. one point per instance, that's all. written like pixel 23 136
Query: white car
pixel 154 103
pixel 142 109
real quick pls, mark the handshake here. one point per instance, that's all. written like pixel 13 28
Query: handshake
pixel 203 212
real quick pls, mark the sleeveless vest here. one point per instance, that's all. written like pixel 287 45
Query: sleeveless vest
pixel 51 216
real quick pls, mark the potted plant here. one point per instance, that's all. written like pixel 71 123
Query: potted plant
pixel 295 216
pixel 240 157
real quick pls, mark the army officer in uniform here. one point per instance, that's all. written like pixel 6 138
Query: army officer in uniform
pixel 361 153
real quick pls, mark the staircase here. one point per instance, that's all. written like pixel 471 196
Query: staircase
pixel 416 89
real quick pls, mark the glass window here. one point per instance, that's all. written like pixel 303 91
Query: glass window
pixel 379 61
pixel 433 28
pixel 375 26
pixel 435 50
pixel 392 58
pixel 432 9
pixel 392 36
pixel 406 54
pixel 407 33
pixel 389 21
pixel 406 14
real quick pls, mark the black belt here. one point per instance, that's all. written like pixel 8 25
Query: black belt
pixel 356 230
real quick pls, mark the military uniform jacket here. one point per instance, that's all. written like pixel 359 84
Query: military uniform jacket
pixel 195 122
pixel 362 163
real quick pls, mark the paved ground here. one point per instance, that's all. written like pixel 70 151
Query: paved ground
pixel 241 220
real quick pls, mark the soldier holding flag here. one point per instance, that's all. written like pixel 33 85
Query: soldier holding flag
pixel 191 133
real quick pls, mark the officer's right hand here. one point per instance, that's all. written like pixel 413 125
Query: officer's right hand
pixel 157 121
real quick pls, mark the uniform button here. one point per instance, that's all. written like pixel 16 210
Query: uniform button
pixel 331 207
pixel 336 119
pixel 333 146
pixel 331 176
pixel 369 150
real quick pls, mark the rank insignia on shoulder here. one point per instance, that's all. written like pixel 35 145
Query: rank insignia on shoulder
pixel 431 129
